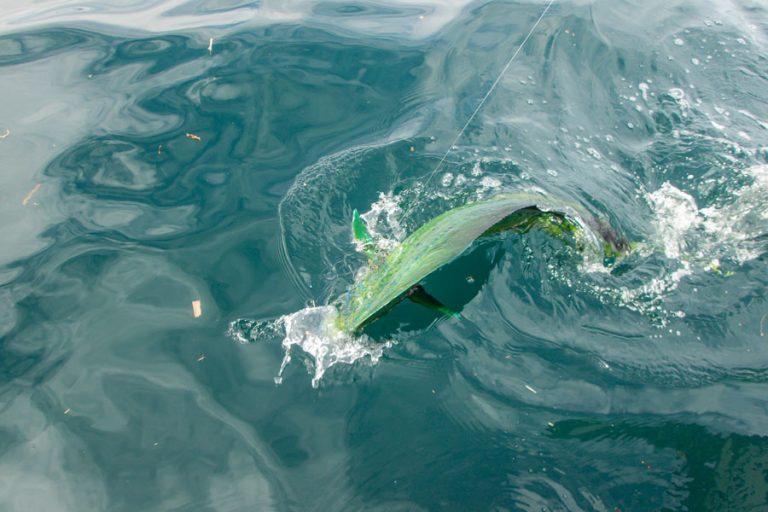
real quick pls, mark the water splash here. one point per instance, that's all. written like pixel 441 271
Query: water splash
pixel 702 235
pixel 675 214
pixel 692 238
pixel 313 331
pixel 383 222
pixel 712 239
pixel 686 234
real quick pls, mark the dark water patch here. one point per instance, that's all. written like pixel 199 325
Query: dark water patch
pixel 22 48
pixel 716 471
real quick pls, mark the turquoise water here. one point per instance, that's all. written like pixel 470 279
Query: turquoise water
pixel 159 153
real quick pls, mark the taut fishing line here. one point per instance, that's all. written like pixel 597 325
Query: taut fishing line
pixel 283 249
pixel 487 95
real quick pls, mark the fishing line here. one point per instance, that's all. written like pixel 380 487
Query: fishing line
pixel 283 252
pixel 487 94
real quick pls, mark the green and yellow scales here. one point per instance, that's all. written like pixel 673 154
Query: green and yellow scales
pixel 397 275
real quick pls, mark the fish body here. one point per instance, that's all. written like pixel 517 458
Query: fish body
pixel 393 276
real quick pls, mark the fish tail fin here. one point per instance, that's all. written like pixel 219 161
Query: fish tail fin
pixel 362 236
pixel 359 229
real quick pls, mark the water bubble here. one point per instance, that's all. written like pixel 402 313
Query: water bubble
pixel 489 182
pixel 644 88
pixel 676 93
pixel 594 153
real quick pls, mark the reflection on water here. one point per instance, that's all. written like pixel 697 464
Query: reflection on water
pixel 158 153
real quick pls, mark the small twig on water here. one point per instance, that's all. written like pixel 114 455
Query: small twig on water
pixel 28 197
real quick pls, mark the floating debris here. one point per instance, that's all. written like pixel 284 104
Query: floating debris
pixel 201 358
pixel 210 46
pixel 197 308
pixel 28 197
pixel 192 136
pixel 67 410
pixel 529 388
pixel 6 133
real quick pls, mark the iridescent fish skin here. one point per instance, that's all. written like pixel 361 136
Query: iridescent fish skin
pixel 445 237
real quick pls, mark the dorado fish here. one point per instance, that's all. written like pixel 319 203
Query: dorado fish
pixel 393 277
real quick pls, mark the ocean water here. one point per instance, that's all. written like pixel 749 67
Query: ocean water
pixel 177 181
